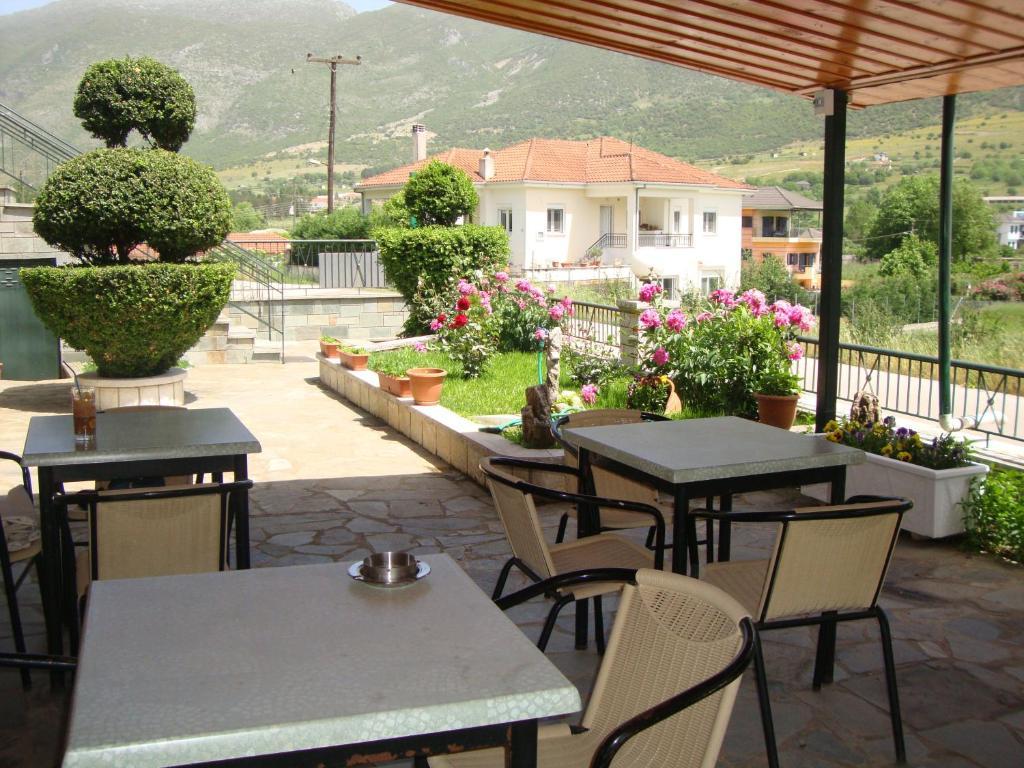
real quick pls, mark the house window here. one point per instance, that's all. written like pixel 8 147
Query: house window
pixel 774 226
pixel 556 220
pixel 710 282
pixel 748 222
pixel 792 259
pixel 505 219
pixel 710 222
pixel 801 261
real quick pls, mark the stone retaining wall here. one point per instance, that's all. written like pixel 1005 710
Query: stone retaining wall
pixel 445 434
pixel 370 316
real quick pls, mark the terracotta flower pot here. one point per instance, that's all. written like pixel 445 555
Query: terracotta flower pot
pixel 354 362
pixel 399 386
pixel 329 350
pixel 776 410
pixel 426 384
pixel 673 404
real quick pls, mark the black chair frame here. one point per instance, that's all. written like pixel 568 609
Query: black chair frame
pixel 563 599
pixel 614 741
pixel 824 659
pixel 11 584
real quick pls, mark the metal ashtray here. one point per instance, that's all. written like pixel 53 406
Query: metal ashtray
pixel 389 569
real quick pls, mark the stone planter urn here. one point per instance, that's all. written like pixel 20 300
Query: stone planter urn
pixel 166 388
pixel 937 493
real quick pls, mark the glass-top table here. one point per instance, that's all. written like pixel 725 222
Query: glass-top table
pixel 697 458
pixel 303 665
pixel 130 444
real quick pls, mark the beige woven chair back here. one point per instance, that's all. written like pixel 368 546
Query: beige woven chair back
pixel 829 565
pixel 601 417
pixel 522 524
pixel 671 632
pixel 157 537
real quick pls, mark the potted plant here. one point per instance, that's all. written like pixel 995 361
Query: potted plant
pixel 329 347
pixel 135 315
pixel 777 390
pixel 390 369
pixel 353 358
pixel 935 474
pixel 426 384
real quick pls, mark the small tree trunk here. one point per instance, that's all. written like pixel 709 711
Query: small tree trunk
pixel 537 418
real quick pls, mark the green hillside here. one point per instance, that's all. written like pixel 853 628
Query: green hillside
pixel 472 84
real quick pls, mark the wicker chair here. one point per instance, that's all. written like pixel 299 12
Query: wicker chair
pixel 666 686
pixel 613 485
pixel 828 566
pixel 514 500
pixel 139 533
pixel 19 543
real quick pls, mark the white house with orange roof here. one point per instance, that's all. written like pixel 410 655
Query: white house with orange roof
pixel 563 201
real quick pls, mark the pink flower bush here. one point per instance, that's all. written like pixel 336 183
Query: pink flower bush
pixel 466 288
pixel 796 352
pixel 650 318
pixel 704 317
pixel 648 291
pixel 660 356
pixel 501 277
pixel 675 320
pixel 556 312
pixel 589 393
pixel 724 297
pixel 419 346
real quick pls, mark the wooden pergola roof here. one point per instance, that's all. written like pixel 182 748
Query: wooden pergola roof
pixel 879 51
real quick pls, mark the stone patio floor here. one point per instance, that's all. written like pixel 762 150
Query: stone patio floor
pixel 334 483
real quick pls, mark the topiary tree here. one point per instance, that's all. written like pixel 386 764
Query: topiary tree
pixel 101 205
pixel 118 96
pixel 440 193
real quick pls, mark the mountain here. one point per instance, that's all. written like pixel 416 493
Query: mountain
pixel 472 84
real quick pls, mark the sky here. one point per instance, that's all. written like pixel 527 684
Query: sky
pixel 10 6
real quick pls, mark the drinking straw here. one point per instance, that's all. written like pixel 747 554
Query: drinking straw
pixel 73 375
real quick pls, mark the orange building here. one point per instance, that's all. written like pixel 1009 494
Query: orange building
pixel 770 227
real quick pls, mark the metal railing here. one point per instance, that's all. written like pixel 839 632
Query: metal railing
pixel 661 240
pixel 908 383
pixel 44 150
pixel 594 324
pixel 610 240
pixel 323 263
pixel 258 289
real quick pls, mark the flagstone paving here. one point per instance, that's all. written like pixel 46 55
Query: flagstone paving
pixel 333 484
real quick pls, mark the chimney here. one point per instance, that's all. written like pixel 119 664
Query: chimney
pixel 486 165
pixel 419 142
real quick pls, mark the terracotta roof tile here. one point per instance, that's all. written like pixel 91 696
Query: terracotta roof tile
pixel 597 161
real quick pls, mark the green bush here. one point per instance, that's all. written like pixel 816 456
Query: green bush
pixel 101 205
pixel 118 96
pixel 245 218
pixel 132 320
pixel 439 193
pixel 342 224
pixel 994 514
pixel 425 264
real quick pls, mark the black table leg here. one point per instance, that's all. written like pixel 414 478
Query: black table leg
pixel 50 571
pixel 240 504
pixel 837 486
pixel 680 521
pixel 522 744
pixel 725 529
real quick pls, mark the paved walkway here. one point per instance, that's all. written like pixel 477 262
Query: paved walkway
pixel 334 483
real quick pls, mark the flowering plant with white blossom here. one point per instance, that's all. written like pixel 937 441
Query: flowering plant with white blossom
pixel 724 350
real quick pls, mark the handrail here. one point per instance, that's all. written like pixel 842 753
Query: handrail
pixel 259 282
pixel 35 138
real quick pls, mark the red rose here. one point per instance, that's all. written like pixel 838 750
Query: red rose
pixel 462 303
pixel 442 318
pixel 460 320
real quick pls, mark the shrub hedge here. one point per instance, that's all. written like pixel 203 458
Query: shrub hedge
pixel 428 262
pixel 132 320
pixel 994 514
pixel 100 205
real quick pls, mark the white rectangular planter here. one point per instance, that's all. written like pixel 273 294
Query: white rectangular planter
pixel 936 493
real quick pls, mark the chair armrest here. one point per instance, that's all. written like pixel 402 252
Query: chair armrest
pixel 26 478
pixel 823 512
pixel 563 580
pixel 541 466
pixel 615 740
pixel 38 661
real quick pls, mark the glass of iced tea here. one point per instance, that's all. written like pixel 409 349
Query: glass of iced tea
pixel 83 411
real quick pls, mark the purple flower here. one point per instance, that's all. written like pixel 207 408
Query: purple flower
pixel 902 432
pixel 755 302
pixel 649 318
pixel 436 324
pixel 660 356
pixel 524 286
pixel 466 288
pixel 648 291
pixel 589 393
pixel 419 346
pixel 703 316
pixel 675 320
pixel 781 319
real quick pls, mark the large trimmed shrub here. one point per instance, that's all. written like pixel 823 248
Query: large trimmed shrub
pixel 131 320
pixel 118 96
pixel 439 193
pixel 101 205
pixel 425 263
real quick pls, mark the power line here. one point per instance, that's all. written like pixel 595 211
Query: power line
pixel 332 62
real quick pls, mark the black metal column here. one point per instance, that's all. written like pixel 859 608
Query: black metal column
pixel 831 262
pixel 945 251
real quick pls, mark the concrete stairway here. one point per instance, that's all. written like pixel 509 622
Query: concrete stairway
pixel 225 342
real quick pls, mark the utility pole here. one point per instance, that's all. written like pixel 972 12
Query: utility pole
pixel 333 62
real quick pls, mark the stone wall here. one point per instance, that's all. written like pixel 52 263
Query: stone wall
pixel 17 238
pixel 370 316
